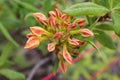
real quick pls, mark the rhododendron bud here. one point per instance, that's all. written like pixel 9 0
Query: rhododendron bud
pixel 82 25
pixel 58 35
pixel 62 66
pixel 51 47
pixel 38 31
pixel 73 25
pixel 86 32
pixel 52 13
pixel 30 35
pixel 64 17
pixel 81 20
pixel 32 42
pixel 58 13
pixel 51 21
pixel 40 17
pixel 74 42
pixel 67 55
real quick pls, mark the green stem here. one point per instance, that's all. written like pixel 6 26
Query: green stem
pixel 92 25
pixel 111 3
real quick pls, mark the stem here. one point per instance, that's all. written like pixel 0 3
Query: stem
pixel 92 25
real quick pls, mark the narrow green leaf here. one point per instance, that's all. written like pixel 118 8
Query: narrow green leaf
pixel 12 75
pixel 56 66
pixel 26 5
pixel 104 39
pixel 87 8
pixel 116 20
pixel 7 35
pixel 104 26
pixel 8 48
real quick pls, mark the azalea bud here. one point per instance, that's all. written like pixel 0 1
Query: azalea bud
pixel 74 42
pixel 82 25
pixel 86 32
pixel 29 35
pixel 58 13
pixel 62 66
pixel 52 13
pixel 81 20
pixel 32 42
pixel 51 47
pixel 73 25
pixel 67 55
pixel 40 18
pixel 64 17
pixel 51 21
pixel 58 35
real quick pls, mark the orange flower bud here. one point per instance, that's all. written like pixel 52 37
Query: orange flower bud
pixel 74 42
pixel 32 42
pixel 51 21
pixel 58 13
pixel 52 13
pixel 86 32
pixel 82 25
pixel 30 35
pixel 51 47
pixel 67 55
pixel 81 20
pixel 64 16
pixel 40 17
pixel 38 31
pixel 62 66
pixel 58 35
pixel 73 25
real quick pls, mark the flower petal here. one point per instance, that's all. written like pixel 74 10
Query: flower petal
pixel 51 47
pixel 30 35
pixel 32 42
pixel 67 55
pixel 38 31
pixel 40 17
pixel 62 66
pixel 74 42
pixel 58 35
pixel 86 32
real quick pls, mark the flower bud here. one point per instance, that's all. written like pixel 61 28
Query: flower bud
pixel 51 47
pixel 32 42
pixel 58 13
pixel 40 18
pixel 52 13
pixel 86 32
pixel 51 21
pixel 62 66
pixel 58 35
pixel 74 42
pixel 64 16
pixel 67 55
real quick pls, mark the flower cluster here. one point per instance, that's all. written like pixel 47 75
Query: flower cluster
pixel 59 30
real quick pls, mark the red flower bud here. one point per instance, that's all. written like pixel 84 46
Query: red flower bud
pixel 52 13
pixel 64 17
pixel 86 32
pixel 74 42
pixel 58 35
pixel 51 21
pixel 67 55
pixel 62 66
pixel 51 47
pixel 58 13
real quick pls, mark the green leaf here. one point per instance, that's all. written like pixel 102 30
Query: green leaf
pixel 26 5
pixel 56 66
pixel 7 35
pixel 87 8
pixel 12 75
pixel 47 6
pixel 104 39
pixel 116 20
pixel 104 26
pixel 5 54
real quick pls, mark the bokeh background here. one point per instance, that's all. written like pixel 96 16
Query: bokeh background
pixel 15 20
